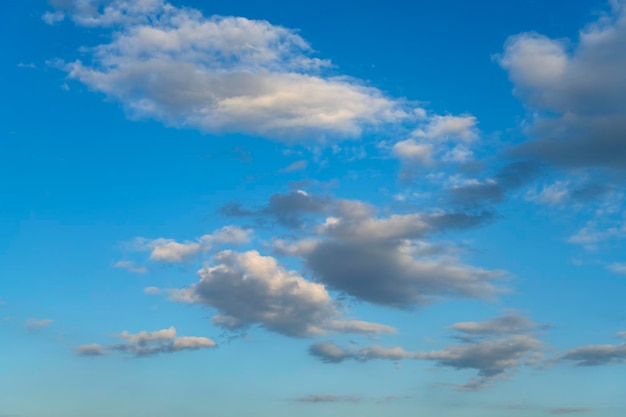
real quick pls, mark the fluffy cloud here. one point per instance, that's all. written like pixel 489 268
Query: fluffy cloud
pixel 222 74
pixel 169 250
pixel 148 344
pixel 248 289
pixel 580 95
pixel 374 259
pixel 503 346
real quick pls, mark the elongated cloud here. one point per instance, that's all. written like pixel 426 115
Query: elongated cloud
pixel 506 347
pixel 148 344
pixel 221 74
pixel 170 250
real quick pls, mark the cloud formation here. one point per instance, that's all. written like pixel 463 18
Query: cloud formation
pixel 169 250
pixel 578 93
pixel 498 347
pixel 250 289
pixel 221 74
pixel 596 355
pixel 148 344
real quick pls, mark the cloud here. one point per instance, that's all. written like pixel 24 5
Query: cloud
pixel 413 152
pixel 617 268
pixel 131 267
pixel 596 355
pixel 222 74
pixel 386 273
pixel 494 190
pixel 35 324
pixel 287 209
pixel 320 398
pixel 382 259
pixel 503 347
pixel 169 250
pixel 491 358
pixel 578 93
pixel 505 325
pixel 250 289
pixel 449 128
pixel 148 344
pixel 52 18
pixel 296 166
pixel 569 410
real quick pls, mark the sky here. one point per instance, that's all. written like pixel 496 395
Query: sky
pixel 312 208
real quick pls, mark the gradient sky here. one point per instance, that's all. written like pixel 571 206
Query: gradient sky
pixel 312 208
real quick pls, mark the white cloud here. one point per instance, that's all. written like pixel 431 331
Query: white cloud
pixel 148 344
pixel 169 250
pixel 131 267
pixel 413 152
pixel 449 128
pixel 223 74
pixel 52 18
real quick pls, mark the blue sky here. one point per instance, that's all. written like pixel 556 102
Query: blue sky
pixel 279 208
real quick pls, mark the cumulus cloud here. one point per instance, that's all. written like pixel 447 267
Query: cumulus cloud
pixel 169 250
pixel 148 344
pixel 381 259
pixel 505 345
pixel 578 93
pixel 250 289
pixel 222 74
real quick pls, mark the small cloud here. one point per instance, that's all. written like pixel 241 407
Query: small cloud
pixel 52 18
pixel 91 350
pixel 617 268
pixel 321 398
pixel 152 291
pixel 131 267
pixel 27 65
pixel 296 166
pixel 34 324
pixel 569 410
pixel 144 344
